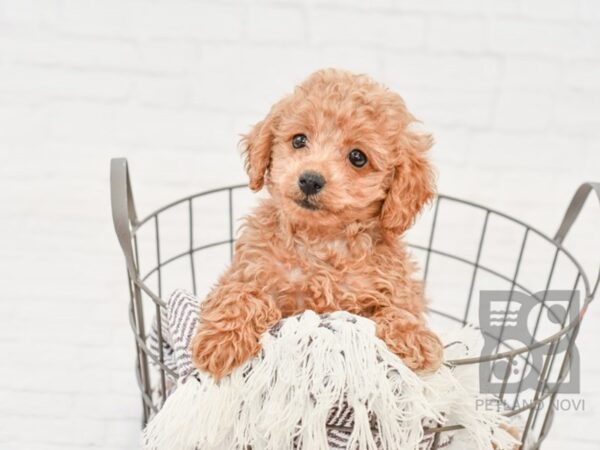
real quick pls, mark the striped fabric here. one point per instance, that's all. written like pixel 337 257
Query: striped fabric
pixel 178 323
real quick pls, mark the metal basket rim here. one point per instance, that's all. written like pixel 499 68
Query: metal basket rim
pixel 127 226
pixel 140 281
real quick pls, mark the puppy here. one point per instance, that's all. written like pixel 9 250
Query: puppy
pixel 347 176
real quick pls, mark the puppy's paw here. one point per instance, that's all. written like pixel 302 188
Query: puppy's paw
pixel 220 353
pixel 421 350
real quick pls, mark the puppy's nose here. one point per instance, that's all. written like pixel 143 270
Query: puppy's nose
pixel 311 182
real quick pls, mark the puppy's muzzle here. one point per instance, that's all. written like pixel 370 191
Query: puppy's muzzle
pixel 311 182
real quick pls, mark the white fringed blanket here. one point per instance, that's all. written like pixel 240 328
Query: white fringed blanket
pixel 320 383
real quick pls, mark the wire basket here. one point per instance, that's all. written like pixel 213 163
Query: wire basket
pixel 187 243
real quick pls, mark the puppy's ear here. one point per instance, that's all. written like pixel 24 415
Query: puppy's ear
pixel 257 149
pixel 412 184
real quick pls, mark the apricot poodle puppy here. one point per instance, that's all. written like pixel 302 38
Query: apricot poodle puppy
pixel 347 175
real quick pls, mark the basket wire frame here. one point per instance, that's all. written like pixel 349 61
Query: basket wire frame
pixel 153 374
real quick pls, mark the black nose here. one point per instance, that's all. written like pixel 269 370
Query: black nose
pixel 311 182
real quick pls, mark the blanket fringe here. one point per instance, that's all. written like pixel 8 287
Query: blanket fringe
pixel 285 398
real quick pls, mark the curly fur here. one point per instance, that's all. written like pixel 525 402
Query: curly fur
pixel 345 254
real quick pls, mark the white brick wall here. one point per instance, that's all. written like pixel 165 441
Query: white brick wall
pixel 510 89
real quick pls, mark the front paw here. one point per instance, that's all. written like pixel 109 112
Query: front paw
pixel 421 350
pixel 407 336
pixel 219 353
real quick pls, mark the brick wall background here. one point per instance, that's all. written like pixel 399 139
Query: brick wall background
pixel 510 89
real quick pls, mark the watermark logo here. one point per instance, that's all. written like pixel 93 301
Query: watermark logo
pixel 573 404
pixel 511 320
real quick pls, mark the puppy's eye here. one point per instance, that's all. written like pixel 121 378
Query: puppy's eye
pixel 357 158
pixel 299 141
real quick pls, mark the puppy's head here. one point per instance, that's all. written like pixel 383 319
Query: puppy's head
pixel 341 149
